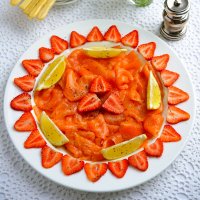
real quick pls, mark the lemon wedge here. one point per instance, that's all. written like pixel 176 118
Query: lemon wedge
pixel 153 93
pixel 123 149
pixel 52 74
pixel 51 132
pixel 103 52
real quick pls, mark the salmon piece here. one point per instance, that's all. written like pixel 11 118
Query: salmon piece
pixel 63 109
pixel 153 124
pixel 112 128
pixel 130 129
pixel 137 110
pixel 98 69
pixel 37 112
pixel 76 58
pixel 113 119
pixel 99 127
pixel 123 78
pixel 48 99
pixel 134 94
pixel 73 150
pixel 73 91
pixel 86 146
pixel 87 134
pixel 113 139
pixel 132 61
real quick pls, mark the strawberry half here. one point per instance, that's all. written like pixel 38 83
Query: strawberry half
pixel 131 39
pixel 58 44
pixel 76 39
pixel 169 134
pixel 25 123
pixel 176 115
pixel 22 102
pixel 33 67
pixel 35 140
pixel 176 95
pixel 100 85
pixel 95 171
pixel 160 62
pixel 112 34
pixel 71 165
pixel 113 104
pixel 26 83
pixel 168 77
pixel 155 149
pixel 147 50
pixel 50 157
pixel 95 35
pixel 118 168
pixel 89 102
pixel 139 161
pixel 46 54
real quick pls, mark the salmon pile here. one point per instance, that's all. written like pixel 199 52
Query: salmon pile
pixel 101 102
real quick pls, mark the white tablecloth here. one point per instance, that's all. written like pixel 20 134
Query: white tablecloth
pixel 18 180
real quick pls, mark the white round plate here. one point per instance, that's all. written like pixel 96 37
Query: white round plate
pixel 108 182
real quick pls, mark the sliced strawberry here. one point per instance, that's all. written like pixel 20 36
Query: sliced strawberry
pixel 176 115
pixel 155 149
pixel 100 85
pixel 50 157
pixel 22 102
pixel 118 168
pixel 95 35
pixel 160 62
pixel 176 95
pixel 26 83
pixel 76 39
pixel 113 104
pixel 147 50
pixel 71 165
pixel 89 102
pixel 33 67
pixel 25 123
pixel 35 140
pixel 139 161
pixel 112 34
pixel 168 77
pixel 131 39
pixel 58 44
pixel 46 54
pixel 95 171
pixel 169 134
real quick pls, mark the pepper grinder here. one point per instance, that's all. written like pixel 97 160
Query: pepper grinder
pixel 175 15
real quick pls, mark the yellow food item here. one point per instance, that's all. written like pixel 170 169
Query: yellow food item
pixel 153 93
pixel 37 8
pixel 103 52
pixel 45 9
pixel 52 74
pixel 123 149
pixel 51 131
pixel 14 2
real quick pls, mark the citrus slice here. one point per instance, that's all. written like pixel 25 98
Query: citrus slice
pixel 51 131
pixel 52 74
pixel 103 52
pixel 123 149
pixel 153 93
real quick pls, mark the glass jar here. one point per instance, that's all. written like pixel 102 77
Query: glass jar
pixel 141 3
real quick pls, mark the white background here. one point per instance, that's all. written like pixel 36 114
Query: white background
pixel 17 180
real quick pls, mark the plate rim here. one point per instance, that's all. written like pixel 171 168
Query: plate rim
pixel 93 21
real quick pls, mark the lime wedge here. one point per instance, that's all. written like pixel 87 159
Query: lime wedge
pixel 123 149
pixel 52 74
pixel 51 131
pixel 153 93
pixel 103 52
